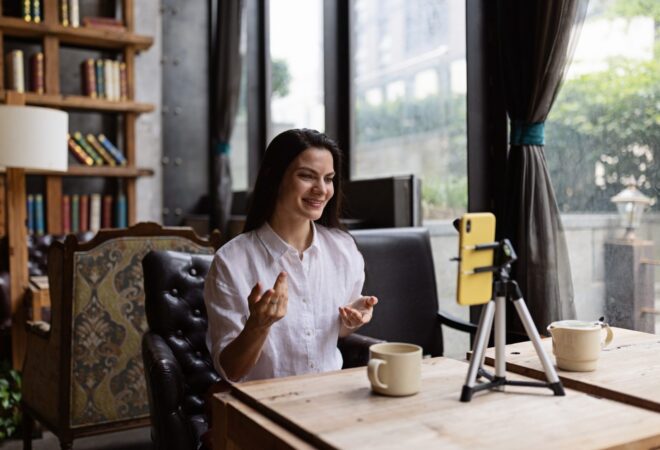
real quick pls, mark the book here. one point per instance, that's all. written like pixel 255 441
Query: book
pixel 100 150
pixel 30 213
pixel 107 78
pixel 37 73
pixel 75 213
pixel 84 213
pixel 25 11
pixel 77 151
pixel 80 140
pixel 39 225
pixel 95 212
pixel 88 72
pixel 64 12
pixel 66 214
pixel 36 11
pixel 74 13
pixel 15 72
pixel 114 151
pixel 100 79
pixel 106 212
pixel 120 211
pixel 115 80
pixel 123 83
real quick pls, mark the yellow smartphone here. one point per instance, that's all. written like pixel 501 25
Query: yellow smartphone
pixel 475 288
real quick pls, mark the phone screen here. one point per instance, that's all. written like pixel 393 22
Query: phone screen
pixel 475 288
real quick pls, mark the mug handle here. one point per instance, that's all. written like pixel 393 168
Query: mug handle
pixel 372 372
pixel 609 337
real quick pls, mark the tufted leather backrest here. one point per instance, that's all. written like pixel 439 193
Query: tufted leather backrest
pixel 177 361
pixel 400 272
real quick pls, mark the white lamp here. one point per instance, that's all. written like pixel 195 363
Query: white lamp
pixel 33 138
pixel 631 204
pixel 30 138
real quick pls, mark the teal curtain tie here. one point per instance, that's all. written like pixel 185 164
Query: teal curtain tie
pixel 222 148
pixel 523 133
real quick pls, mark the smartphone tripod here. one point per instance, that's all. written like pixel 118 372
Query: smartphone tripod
pixel 504 288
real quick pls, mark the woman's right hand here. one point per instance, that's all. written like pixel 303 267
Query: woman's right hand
pixel 268 307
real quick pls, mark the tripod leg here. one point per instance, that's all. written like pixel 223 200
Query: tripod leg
pixel 500 339
pixel 480 342
pixel 534 336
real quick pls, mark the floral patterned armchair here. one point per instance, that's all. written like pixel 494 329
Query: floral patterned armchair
pixel 84 375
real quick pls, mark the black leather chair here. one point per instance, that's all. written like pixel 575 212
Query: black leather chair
pixel 400 272
pixel 177 363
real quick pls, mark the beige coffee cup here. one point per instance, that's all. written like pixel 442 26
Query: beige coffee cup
pixel 577 344
pixel 395 368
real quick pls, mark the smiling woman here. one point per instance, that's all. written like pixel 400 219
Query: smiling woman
pixel 293 241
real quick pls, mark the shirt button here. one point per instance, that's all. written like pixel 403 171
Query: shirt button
pixel 304 300
pixel 308 332
pixel 311 365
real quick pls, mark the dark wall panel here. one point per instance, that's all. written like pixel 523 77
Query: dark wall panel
pixel 185 107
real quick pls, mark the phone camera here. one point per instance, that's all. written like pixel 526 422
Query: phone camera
pixel 468 226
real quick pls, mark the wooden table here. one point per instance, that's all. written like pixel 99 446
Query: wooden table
pixel 628 369
pixel 338 410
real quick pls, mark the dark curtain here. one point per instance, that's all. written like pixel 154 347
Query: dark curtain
pixel 224 84
pixel 536 41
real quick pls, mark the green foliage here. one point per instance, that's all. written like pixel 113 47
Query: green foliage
pixel 633 8
pixel 10 398
pixel 281 78
pixel 444 198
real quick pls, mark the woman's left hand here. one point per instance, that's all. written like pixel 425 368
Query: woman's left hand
pixel 357 313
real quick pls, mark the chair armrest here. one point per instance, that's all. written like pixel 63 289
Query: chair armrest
pixel 456 323
pixel 38 327
pixel 355 349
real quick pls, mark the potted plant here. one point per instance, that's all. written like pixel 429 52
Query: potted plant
pixel 10 399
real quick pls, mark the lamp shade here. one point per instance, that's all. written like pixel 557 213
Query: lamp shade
pixel 33 138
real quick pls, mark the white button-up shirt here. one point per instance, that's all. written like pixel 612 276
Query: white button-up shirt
pixel 330 274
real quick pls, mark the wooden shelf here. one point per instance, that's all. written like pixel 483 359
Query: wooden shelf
pixel 98 171
pixel 80 102
pixel 82 36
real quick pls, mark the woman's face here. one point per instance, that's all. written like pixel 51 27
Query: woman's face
pixel 307 185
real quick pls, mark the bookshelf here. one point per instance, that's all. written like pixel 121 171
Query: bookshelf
pixel 53 37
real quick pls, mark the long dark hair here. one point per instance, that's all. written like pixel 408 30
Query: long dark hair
pixel 280 153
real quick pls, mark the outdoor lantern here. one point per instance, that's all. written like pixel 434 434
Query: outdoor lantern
pixel 631 204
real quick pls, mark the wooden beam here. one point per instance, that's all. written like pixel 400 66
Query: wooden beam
pixel 52 65
pixel 129 15
pixel 54 204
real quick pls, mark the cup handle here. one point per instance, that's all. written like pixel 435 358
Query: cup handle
pixel 372 372
pixel 609 337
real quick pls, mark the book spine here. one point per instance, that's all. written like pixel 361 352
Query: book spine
pixel 100 150
pixel 100 82
pixel 84 212
pixel 77 151
pixel 74 13
pixel 18 73
pixel 95 212
pixel 37 72
pixel 39 224
pixel 87 148
pixel 88 73
pixel 75 213
pixel 120 220
pixel 109 84
pixel 106 215
pixel 64 12
pixel 30 214
pixel 25 10
pixel 36 11
pixel 114 151
pixel 66 214
pixel 116 82
pixel 123 83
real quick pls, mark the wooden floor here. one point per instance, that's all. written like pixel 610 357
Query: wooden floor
pixel 137 439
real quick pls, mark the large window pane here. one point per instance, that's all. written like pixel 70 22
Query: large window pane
pixel 296 49
pixel 239 137
pixel 410 110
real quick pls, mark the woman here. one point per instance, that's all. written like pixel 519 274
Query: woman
pixel 292 241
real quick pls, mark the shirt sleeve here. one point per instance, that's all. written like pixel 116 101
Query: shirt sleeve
pixel 227 311
pixel 357 267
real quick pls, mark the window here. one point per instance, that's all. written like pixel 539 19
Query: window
pixel 239 137
pixel 296 49
pixel 409 108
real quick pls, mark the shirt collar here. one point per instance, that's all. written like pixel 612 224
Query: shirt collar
pixel 276 245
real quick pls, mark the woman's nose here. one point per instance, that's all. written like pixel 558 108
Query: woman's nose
pixel 320 186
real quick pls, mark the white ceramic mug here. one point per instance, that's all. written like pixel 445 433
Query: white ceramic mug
pixel 577 344
pixel 395 368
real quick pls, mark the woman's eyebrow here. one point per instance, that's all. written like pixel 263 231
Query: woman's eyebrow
pixel 309 169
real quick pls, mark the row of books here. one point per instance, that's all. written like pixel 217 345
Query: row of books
pixel 93 150
pixel 104 78
pixel 69 14
pixel 15 74
pixel 86 212
pixel 30 10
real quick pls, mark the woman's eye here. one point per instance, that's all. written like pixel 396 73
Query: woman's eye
pixel 328 180
pixel 306 176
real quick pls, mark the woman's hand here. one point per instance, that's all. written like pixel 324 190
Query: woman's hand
pixel 357 313
pixel 269 307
